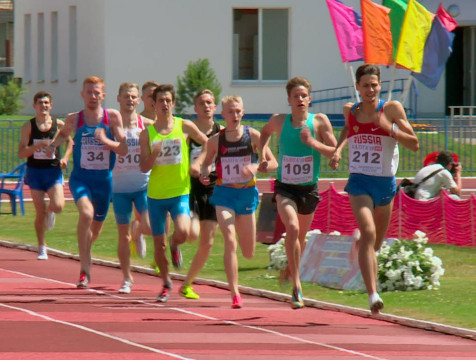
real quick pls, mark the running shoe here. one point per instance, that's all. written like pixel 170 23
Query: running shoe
pixel 165 293
pixel 237 302
pixel 296 299
pixel 50 220
pixel 155 267
pixel 83 280
pixel 376 303
pixel 176 255
pixel 141 245
pixel 126 287
pixel 187 292
pixel 42 254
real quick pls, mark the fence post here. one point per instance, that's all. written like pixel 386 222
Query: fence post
pixel 329 207
pixel 400 213
pixel 446 132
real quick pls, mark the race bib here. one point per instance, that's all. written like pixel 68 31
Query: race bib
pixel 297 169
pixel 232 169
pixel 171 152
pixel 40 154
pixel 131 161
pixel 366 158
pixel 94 157
pixel 195 153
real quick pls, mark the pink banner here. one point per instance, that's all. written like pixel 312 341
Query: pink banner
pixel 443 219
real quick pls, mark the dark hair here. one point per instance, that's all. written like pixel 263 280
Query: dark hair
pixel 40 95
pixel 162 89
pixel 367 69
pixel 444 158
pixel 298 81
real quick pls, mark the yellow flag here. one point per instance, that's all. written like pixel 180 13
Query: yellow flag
pixel 415 29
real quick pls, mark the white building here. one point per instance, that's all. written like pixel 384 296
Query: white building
pixel 254 46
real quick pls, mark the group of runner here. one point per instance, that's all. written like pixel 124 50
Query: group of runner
pixel 202 175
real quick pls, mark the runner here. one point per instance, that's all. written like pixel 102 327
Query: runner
pixel 303 137
pixel 99 135
pixel 164 150
pixel 235 195
pixel 373 130
pixel 129 184
pixel 204 219
pixel 43 172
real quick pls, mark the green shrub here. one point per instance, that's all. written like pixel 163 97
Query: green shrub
pixel 198 76
pixel 10 98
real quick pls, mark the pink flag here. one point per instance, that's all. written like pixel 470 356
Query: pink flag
pixel 448 21
pixel 348 31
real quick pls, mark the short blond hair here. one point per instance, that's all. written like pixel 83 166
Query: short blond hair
pixel 127 86
pixel 149 84
pixel 202 92
pixel 231 98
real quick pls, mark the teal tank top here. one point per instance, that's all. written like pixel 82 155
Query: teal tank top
pixel 299 164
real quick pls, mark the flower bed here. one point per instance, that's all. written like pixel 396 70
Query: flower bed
pixel 403 265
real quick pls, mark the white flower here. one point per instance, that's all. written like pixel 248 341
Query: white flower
pixel 408 265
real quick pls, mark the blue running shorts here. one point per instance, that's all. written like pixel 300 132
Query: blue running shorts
pixel 122 203
pixel 242 201
pixel 43 179
pixel 381 189
pixel 158 209
pixel 97 189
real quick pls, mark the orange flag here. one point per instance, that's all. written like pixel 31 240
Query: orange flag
pixel 378 48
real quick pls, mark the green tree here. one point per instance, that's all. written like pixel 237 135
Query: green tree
pixel 10 98
pixel 198 76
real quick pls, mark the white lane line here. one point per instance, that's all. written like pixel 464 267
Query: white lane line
pixel 207 317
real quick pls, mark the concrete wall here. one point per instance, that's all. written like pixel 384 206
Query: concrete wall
pixel 124 40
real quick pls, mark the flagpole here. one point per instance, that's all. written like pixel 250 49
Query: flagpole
pixel 392 81
pixel 406 90
pixel 352 75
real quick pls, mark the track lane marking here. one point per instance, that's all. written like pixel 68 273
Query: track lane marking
pixel 193 313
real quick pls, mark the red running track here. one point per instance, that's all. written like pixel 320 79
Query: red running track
pixel 43 316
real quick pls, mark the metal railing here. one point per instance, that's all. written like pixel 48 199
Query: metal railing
pixel 331 101
pixel 458 136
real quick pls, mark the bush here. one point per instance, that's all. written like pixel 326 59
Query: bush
pixel 10 98
pixel 408 265
pixel 198 76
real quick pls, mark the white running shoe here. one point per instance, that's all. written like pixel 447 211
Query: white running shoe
pixel 50 220
pixel 376 303
pixel 42 254
pixel 126 287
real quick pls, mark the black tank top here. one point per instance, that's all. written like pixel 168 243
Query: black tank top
pixel 194 145
pixel 37 134
pixel 242 147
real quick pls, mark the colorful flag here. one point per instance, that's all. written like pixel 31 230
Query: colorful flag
pixel 448 21
pixel 438 49
pixel 397 13
pixel 378 46
pixel 415 29
pixel 348 30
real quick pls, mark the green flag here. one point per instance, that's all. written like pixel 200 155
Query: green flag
pixel 397 13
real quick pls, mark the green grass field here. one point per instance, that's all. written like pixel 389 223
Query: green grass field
pixel 453 304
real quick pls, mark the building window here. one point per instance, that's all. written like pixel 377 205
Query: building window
pixel 260 44
pixel 27 50
pixel 54 46
pixel 73 44
pixel 41 47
